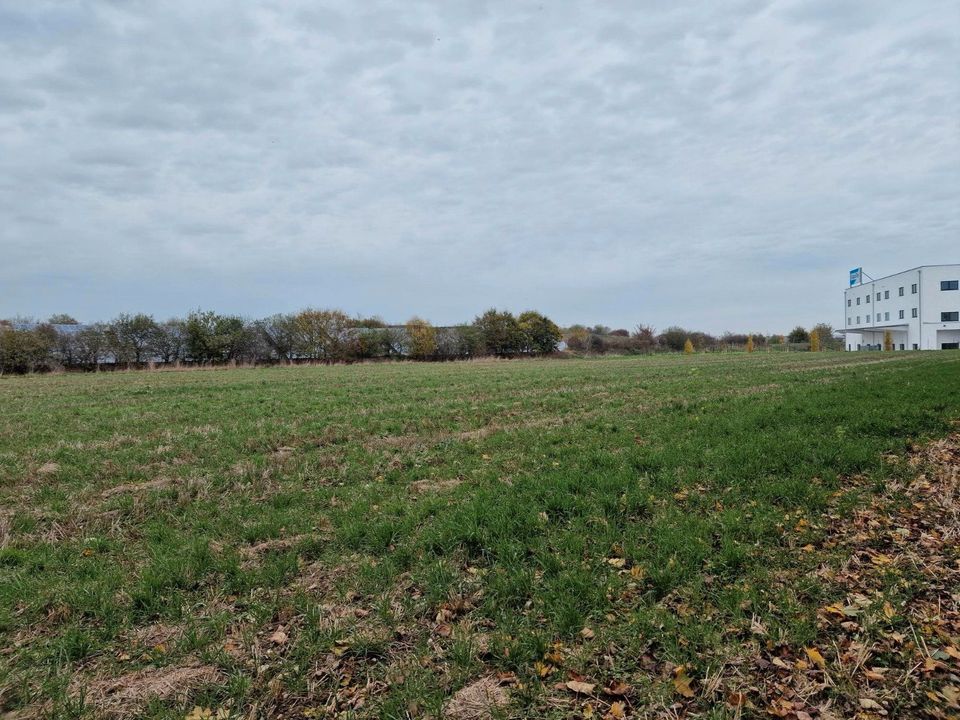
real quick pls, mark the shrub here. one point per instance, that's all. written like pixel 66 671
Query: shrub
pixel 578 338
pixel 688 347
pixel 673 338
pixel 644 339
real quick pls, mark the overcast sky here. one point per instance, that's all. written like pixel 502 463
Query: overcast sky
pixel 719 165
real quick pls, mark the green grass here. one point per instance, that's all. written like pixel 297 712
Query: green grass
pixel 515 496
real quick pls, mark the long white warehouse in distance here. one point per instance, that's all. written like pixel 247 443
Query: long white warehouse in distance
pixel 919 307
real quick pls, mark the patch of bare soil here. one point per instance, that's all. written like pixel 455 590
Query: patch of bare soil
pixel 477 701
pixel 125 696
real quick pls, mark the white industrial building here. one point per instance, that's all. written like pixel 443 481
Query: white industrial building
pixel 920 308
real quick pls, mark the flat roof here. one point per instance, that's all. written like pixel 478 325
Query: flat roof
pixel 918 267
pixel 901 326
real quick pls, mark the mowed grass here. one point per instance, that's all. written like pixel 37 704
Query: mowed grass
pixel 408 528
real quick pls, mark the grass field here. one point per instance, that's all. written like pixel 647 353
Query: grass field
pixel 623 537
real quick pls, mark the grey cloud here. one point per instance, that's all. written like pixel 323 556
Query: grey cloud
pixel 604 163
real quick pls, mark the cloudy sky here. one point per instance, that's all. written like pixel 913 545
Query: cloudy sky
pixel 717 165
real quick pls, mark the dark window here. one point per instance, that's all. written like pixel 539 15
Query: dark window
pixel 950 284
pixel 950 346
pixel 949 316
pixel 915 346
pixel 878 296
pixel 901 292
pixel 858 301
pixel 913 313
pixel 913 289
pixel 886 316
pixel 901 314
pixel 867 299
pixel 868 318
pixel 886 294
pixel 848 321
pixel 901 346
pixel 849 302
pixel 858 319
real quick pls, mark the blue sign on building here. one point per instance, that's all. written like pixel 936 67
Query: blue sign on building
pixel 855 276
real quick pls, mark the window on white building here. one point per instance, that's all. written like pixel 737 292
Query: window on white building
pixel 849 302
pixel 858 301
pixel 868 318
pixel 886 316
pixel 878 296
pixel 949 316
pixel 867 299
pixel 901 314
pixel 913 313
pixel 913 289
pixel 886 294
pixel 901 292
pixel 950 284
pixel 858 319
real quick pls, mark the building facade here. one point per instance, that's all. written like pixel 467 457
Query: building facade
pixel 919 307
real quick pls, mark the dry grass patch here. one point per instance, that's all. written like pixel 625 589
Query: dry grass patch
pixel 478 701
pixel 125 696
pixel 157 484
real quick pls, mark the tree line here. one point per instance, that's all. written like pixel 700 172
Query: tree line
pixel 601 339
pixel 322 335
pixel 209 338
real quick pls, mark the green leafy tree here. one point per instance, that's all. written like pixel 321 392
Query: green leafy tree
pixel 212 338
pixel 798 335
pixel 500 332
pixel 540 334
pixel 26 350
